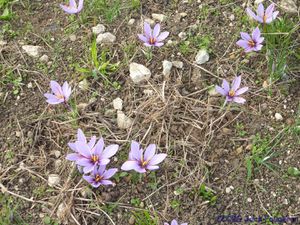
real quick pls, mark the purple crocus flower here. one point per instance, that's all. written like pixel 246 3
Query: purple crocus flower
pixel 263 16
pixel 60 94
pixel 174 222
pixel 251 43
pixel 153 38
pixel 141 162
pixel 100 176
pixel 72 8
pixel 232 94
pixel 94 156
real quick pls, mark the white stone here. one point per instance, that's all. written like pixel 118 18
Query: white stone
pixel 2 42
pixel 150 21
pixel 182 35
pixel 83 85
pixel 123 121
pixel 232 17
pixel 159 17
pixel 61 211
pixel 249 199
pixel 53 179
pixel 228 190
pixel 44 58
pixel 72 37
pixel 139 72
pixel 118 103
pixel 148 92
pixel 57 154
pixel 31 50
pixel 167 66
pixel 106 38
pixel 289 6
pixel 29 85
pixel 178 64
pixel 256 2
pixel 213 92
pixel 131 22
pixel 278 117
pixel 98 29
pixel 183 14
pixel 202 57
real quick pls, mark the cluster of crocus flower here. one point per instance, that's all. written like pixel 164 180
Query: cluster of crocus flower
pixel 60 94
pixel 92 158
pixel 254 42
pixel 153 37
pixel 73 7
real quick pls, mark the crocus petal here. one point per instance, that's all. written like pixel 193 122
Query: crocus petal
pixel 239 100
pixel 106 182
pixel 249 49
pixel 130 165
pixel 135 153
pixel 152 167
pixel 55 87
pixel 109 151
pixel 156 30
pixel 80 136
pixel 100 170
pixel 269 10
pixel 148 45
pixel 260 40
pixel 92 142
pixel 109 173
pixel 242 43
pixel 99 147
pixel 72 146
pixel 83 149
pixel 241 91
pixel 158 44
pixel 260 10
pixel 88 179
pixel 143 38
pixel 258 47
pixel 174 222
pixel 225 85
pixel 80 6
pixel 251 13
pixel 236 83
pixel 162 36
pixel 149 152
pixel 88 169
pixel 221 90
pixel 96 184
pixel 272 17
pixel 52 99
pixel 256 34
pixel 104 162
pixel 66 90
pixel 166 224
pixel 84 162
pixel 68 9
pixel 147 30
pixel 245 36
pixel 156 159
pixel 73 157
pixel 184 224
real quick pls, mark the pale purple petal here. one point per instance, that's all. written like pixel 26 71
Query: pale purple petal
pixel 80 136
pixel 52 99
pixel 269 10
pixel 256 34
pixel 174 222
pixel 148 45
pixel 166 224
pixel 109 173
pixel 106 182
pixel 96 184
pixel 83 149
pixel 130 165
pixel 260 10
pixel 80 6
pixel 272 17
pixel 56 88
pixel 149 152
pixel 104 162
pixel 84 162
pixel 158 44
pixel 147 30
pixel 66 90
pixel 109 151
pixel 152 167
pixel 88 179
pixel 184 224
pixel 68 9
pixel 156 159
pixel 72 146
pixel 245 36
pixel 162 36
pixel 143 38
pixel 99 147
pixel 88 168
pixel 73 157
pixel 225 85
pixel 135 152
pixel 239 100
pixel 92 142
pixel 242 43
pixel 156 30
pixel 260 40
pixel 236 83
pixel 100 170
pixel 258 47
pixel 251 13
pixel 241 91
pixel 221 90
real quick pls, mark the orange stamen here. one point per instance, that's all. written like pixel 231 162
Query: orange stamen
pixel 231 93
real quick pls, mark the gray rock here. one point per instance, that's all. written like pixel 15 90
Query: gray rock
pixel 178 64
pixel 150 21
pixel 53 179
pixel 167 66
pixel 106 38
pixel 31 50
pixel 99 29
pixel 123 121
pixel 182 35
pixel 202 57
pixel 44 58
pixel 72 37
pixel 139 72
pixel 159 17
pixel 289 6
pixel 131 22
pixel 118 104
pixel 278 117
